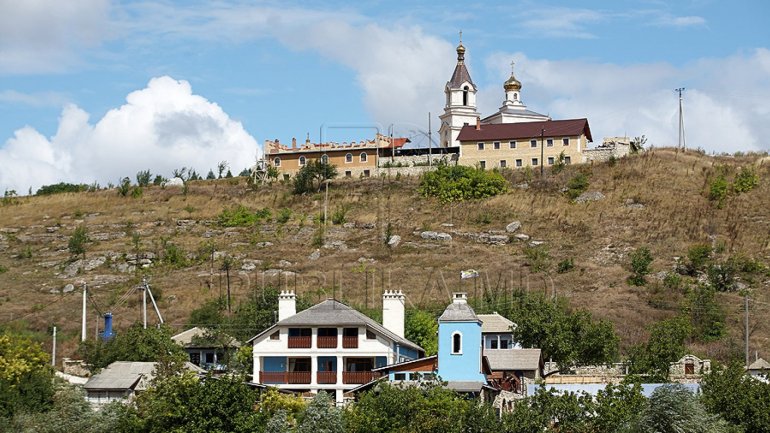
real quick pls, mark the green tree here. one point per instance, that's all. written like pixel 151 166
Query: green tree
pixel 641 259
pixel 665 345
pixel 143 178
pixel 674 409
pixel 617 406
pixel 551 411
pixel 310 177
pixel 133 344
pixel 637 144
pixel 577 185
pixel 737 397
pixel 459 182
pixel 746 180
pixel 421 327
pixel 78 240
pixel 718 190
pixel 211 175
pixel 706 315
pixel 321 416
pixel 26 378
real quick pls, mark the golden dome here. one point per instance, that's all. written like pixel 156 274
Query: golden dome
pixel 460 52
pixel 512 83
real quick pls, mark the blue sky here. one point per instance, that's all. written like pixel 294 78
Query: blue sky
pixel 94 90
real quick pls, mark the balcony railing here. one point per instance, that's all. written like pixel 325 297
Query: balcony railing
pixel 358 377
pixel 290 377
pixel 327 342
pixel 350 342
pixel 300 342
pixel 327 377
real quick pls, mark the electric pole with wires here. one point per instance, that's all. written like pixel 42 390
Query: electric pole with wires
pixel 682 143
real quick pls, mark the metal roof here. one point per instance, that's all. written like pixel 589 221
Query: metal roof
pixel 185 338
pixel 508 131
pixel 333 313
pixel 460 76
pixel 495 323
pixel 123 375
pixel 513 359
pixel 465 386
pixel 458 312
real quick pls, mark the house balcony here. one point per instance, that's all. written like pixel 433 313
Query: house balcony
pixel 326 342
pixel 350 342
pixel 358 377
pixel 326 377
pixel 303 342
pixel 285 377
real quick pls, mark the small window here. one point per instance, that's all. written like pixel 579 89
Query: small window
pixel 457 343
pixel 503 344
pixel 482 165
pixel 512 145
pixel 503 163
pixel 209 357
pixel 363 156
pixel 565 141
pixel 324 159
pixel 370 335
pixel 549 142
pixel 366 173
pixel 399 376
pixel 481 146
pixel 348 173
pixel 348 157
pixel 414 376
pixel 277 161
pixel 302 161
pixel 567 160
pixel 532 143
pixel 518 163
pixel 689 368
pixel 275 335
pixel 493 344
pixel 496 144
pixel 534 161
pixel 550 160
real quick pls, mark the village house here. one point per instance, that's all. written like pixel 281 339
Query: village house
pixel 206 348
pixel 330 346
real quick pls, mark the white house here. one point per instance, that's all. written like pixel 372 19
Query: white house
pixel 330 346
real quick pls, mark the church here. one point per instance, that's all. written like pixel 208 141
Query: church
pixel 514 136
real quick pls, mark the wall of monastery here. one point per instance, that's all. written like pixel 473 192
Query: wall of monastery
pixel 523 154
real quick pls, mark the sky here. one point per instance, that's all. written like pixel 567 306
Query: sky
pixel 96 90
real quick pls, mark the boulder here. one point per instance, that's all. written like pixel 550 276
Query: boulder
pixel 68 288
pixel 536 243
pixel 436 236
pixel 174 182
pixel 589 196
pixel 284 263
pixel 394 241
pixel 513 226
pixel 315 255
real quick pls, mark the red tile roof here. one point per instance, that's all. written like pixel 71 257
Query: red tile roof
pixel 511 131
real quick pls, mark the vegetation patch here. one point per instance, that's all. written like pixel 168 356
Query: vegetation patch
pixel 241 216
pixel 458 183
pixel 61 187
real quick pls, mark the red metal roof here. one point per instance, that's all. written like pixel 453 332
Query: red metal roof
pixel 511 131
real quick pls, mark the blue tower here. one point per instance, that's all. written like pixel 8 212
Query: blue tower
pixel 107 334
pixel 459 342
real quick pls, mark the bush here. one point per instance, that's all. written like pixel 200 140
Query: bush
pixel 458 183
pixel 577 185
pixel 284 215
pixel 174 256
pixel 143 178
pixel 310 177
pixel 3 269
pixel 698 257
pixel 77 243
pixel 565 265
pixel 718 190
pixel 338 217
pixel 746 180
pixel 640 266
pixel 538 258
pixel 61 188
pixel 240 216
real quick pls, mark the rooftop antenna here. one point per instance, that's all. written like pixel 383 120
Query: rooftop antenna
pixel 682 142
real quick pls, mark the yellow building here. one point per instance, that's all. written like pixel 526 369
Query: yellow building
pixel 516 145
pixel 351 159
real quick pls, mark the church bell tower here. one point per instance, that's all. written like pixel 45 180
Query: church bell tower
pixel 460 107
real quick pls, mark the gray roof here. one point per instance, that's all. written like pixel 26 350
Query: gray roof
pixel 123 375
pixel 465 386
pixel 333 313
pixel 495 323
pixel 458 312
pixel 513 359
pixel 759 364
pixel 460 76
pixel 185 338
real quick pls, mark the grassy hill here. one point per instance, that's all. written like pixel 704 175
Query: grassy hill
pixel 659 200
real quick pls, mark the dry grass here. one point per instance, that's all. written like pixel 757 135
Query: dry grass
pixel 598 236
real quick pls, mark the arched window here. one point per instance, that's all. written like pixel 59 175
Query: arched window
pixel 465 95
pixel 302 161
pixel 457 343
pixel 277 162
pixel 363 156
pixel 348 157
pixel 324 159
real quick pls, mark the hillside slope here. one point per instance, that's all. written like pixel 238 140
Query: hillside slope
pixel 658 199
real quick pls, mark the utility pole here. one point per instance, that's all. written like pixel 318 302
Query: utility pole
pixel 542 152
pixel 746 301
pixel 430 142
pixel 53 350
pixel 144 302
pixel 83 324
pixel 682 142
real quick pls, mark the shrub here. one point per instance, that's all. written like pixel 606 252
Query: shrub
pixel 458 183
pixel 338 217
pixel 538 258
pixel 77 243
pixel 124 187
pixel 240 216
pixel 174 256
pixel 284 215
pixel 143 178
pixel 640 266
pixel 697 256
pixel 577 185
pixel 746 180
pixel 60 188
pixel 159 180
pixel 718 190
pixel 310 177
pixel 3 269
pixel 565 265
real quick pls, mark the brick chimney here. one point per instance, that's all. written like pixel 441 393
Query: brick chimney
pixel 293 143
pixel 478 123
pixel 393 311
pixel 287 304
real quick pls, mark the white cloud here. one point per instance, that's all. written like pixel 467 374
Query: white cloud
pixel 725 106
pixel 558 22
pixel 666 20
pixel 37 99
pixel 161 127
pixel 44 36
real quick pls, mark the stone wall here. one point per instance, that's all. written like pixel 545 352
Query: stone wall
pixel 617 147
pixel 412 165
